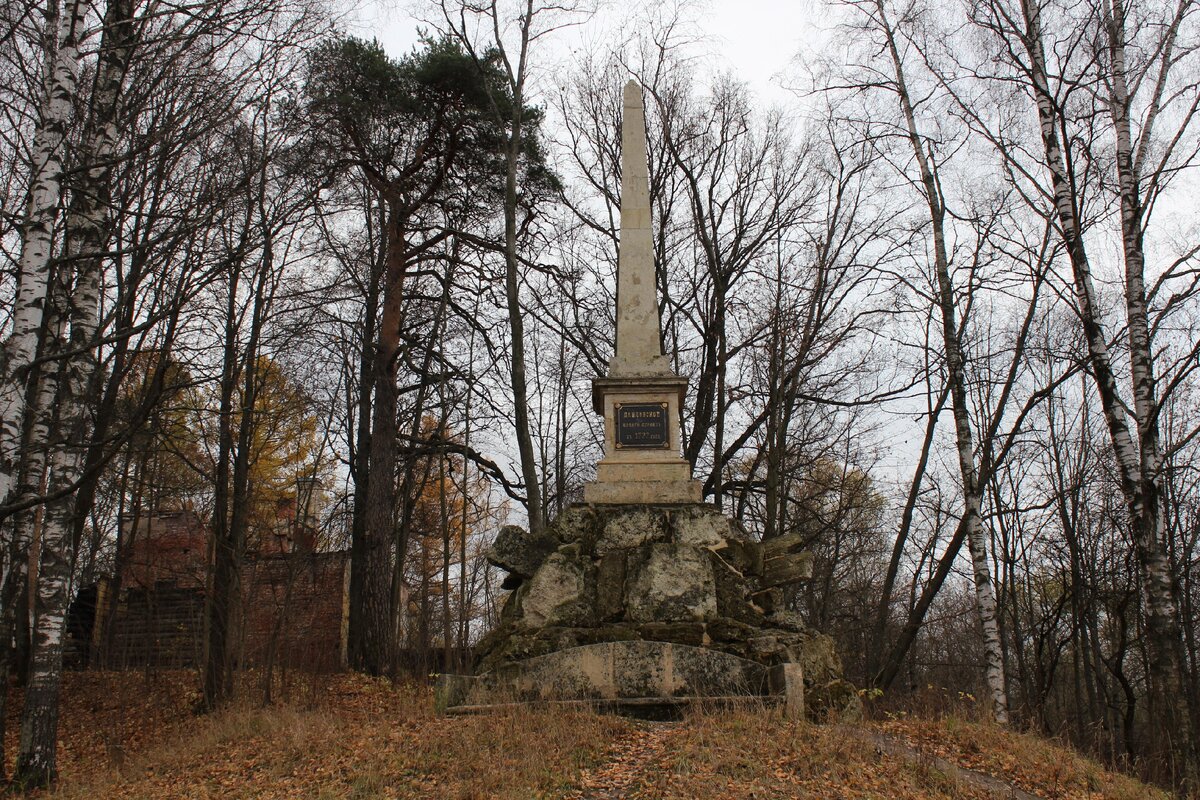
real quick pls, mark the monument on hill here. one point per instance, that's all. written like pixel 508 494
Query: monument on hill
pixel 642 598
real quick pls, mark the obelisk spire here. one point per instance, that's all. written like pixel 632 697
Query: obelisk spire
pixel 638 346
pixel 641 396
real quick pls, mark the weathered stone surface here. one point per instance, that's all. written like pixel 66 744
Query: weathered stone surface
pixel 787 620
pixel 631 528
pixel 766 648
pixel 557 594
pixel 834 701
pixel 626 490
pixel 610 586
pixel 451 690
pixel 784 561
pixel 700 526
pixel 682 575
pixel 632 669
pixel 768 601
pixel 788 680
pixel 577 523
pixel 745 556
pixel 689 633
pixel 724 630
pixel 672 583
pixel 732 593
pixel 519 552
pixel 786 569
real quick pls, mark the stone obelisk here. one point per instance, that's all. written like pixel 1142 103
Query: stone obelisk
pixel 641 396
pixel 642 598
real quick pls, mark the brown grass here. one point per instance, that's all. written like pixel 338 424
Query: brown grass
pixel 755 753
pixel 1030 762
pixel 133 736
pixel 365 739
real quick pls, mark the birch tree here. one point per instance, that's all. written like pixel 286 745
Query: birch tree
pixel 948 307
pixel 62 33
pixel 1070 64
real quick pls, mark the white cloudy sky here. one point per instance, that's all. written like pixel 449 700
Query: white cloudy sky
pixel 755 39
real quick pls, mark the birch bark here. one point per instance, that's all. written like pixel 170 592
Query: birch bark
pixel 1145 502
pixel 972 521
pixel 61 52
pixel 1137 460
pixel 33 469
pixel 37 757
pixel 87 234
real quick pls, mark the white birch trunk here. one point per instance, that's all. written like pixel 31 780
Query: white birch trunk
pixel 1137 461
pixel 33 468
pixel 37 235
pixel 985 594
pixel 1169 697
pixel 86 238
pixel 37 759
pixel 37 766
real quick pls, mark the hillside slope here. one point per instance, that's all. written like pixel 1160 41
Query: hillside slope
pixel 134 736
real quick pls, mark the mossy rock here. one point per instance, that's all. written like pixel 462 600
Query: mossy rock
pixel 833 701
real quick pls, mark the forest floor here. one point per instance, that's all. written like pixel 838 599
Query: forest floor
pixel 134 735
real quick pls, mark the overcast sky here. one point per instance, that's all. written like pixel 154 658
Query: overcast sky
pixel 754 39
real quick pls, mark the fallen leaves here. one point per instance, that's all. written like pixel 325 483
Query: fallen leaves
pixel 1029 762
pixel 134 735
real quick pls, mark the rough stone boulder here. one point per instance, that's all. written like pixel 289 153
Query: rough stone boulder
pixel 519 553
pixel 672 574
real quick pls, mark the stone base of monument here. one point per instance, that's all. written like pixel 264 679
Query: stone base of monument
pixel 649 608
pixel 642 678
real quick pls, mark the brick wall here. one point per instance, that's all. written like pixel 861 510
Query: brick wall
pixel 294 608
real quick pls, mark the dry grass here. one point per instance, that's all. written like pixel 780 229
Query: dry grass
pixel 133 736
pixel 364 739
pixel 1030 762
pixel 757 754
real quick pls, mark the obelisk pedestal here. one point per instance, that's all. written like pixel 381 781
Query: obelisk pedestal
pixel 642 396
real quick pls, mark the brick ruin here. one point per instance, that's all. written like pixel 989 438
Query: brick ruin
pixel 294 601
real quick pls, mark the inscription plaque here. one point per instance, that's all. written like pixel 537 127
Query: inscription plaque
pixel 642 425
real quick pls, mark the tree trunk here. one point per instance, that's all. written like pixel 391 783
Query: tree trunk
pixel 1137 461
pixel 37 758
pixel 87 233
pixel 1169 696
pixel 516 326
pixel 985 595
pixel 61 55
pixel 223 548
pixel 14 604
pixel 360 468
pixel 374 639
pixel 875 643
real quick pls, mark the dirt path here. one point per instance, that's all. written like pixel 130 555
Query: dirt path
pixel 898 748
pixel 633 764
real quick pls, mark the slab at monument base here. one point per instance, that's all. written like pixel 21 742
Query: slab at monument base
pixel 611 491
pixel 636 677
